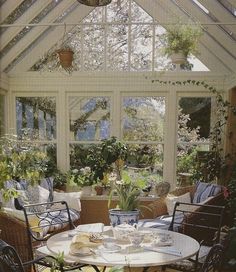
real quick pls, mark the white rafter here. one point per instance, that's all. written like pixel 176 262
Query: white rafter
pixel 43 46
pixel 26 17
pixel 8 7
pixel 221 36
pixel 164 13
pixel 34 33
pixel 208 40
pixel 220 13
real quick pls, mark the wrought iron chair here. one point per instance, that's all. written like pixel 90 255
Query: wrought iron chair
pixel 201 222
pixel 44 220
pixel 214 259
pixel 10 261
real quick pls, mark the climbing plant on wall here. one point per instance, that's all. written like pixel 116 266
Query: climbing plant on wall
pixel 216 162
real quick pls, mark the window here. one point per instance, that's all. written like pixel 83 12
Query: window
pixel 36 122
pixel 193 136
pixel 143 125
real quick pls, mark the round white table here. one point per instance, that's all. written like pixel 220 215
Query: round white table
pixel 143 257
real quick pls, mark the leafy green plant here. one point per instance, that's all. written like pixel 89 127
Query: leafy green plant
pixel 218 165
pixel 20 161
pixel 128 191
pixel 82 177
pixel 181 37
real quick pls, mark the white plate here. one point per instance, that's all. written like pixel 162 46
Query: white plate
pixel 110 249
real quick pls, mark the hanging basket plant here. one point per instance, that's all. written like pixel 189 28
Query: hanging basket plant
pixel 95 3
pixel 66 57
pixel 181 40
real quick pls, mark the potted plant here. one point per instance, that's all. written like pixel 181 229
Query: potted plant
pixel 127 190
pixel 180 40
pixel 65 55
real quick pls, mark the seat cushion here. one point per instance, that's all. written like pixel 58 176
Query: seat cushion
pixel 205 190
pixel 161 222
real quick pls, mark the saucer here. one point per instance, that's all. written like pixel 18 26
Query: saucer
pixel 111 249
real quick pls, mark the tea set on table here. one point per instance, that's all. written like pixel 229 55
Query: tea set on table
pixel 125 239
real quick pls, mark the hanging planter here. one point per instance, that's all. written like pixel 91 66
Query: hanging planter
pixel 178 58
pixel 95 3
pixel 66 57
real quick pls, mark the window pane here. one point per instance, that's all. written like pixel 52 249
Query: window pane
pixel 141 47
pixel 93 47
pixel 117 47
pixel 36 116
pixel 143 118
pixel 194 121
pixel 2 115
pixel 89 118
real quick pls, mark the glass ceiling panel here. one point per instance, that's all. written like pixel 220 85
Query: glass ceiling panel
pixel 27 29
pixel 41 37
pixel 11 18
pixel 229 6
pixel 118 37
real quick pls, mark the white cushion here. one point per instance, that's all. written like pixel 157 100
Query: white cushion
pixel 171 200
pixel 72 199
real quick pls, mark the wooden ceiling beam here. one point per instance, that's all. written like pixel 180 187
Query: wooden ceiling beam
pixel 35 33
pixel 221 13
pixel 55 35
pixel 8 7
pixel 165 11
pixel 26 17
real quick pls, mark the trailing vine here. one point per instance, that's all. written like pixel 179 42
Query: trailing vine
pixel 217 165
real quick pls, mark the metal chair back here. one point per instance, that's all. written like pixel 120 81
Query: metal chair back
pixel 9 259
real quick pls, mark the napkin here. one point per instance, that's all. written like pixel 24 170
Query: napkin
pixel 81 244
pixel 167 250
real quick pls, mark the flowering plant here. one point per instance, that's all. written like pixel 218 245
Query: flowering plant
pixel 127 190
pixel 82 177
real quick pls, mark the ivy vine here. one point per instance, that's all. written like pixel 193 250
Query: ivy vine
pixel 217 165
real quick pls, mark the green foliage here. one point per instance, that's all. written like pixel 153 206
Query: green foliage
pixel 20 161
pixel 216 164
pixel 128 191
pixel 82 177
pixel 182 38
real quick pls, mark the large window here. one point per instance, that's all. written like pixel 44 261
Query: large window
pixel 193 136
pixel 36 122
pixel 143 125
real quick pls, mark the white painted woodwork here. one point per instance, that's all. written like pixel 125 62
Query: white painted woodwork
pixel 8 7
pixel 35 33
pixel 208 41
pixel 26 17
pixel 220 35
pixel 162 14
pixel 221 13
pixel 55 35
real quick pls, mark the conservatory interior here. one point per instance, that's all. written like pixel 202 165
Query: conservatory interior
pixel 108 104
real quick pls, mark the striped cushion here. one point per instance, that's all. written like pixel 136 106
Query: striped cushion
pixel 205 190
pixel 47 183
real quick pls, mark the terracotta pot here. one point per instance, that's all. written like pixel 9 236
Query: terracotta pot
pixel 178 58
pixel 66 57
pixel 95 3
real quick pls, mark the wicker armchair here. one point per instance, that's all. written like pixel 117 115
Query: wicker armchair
pixel 14 232
pixel 159 207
